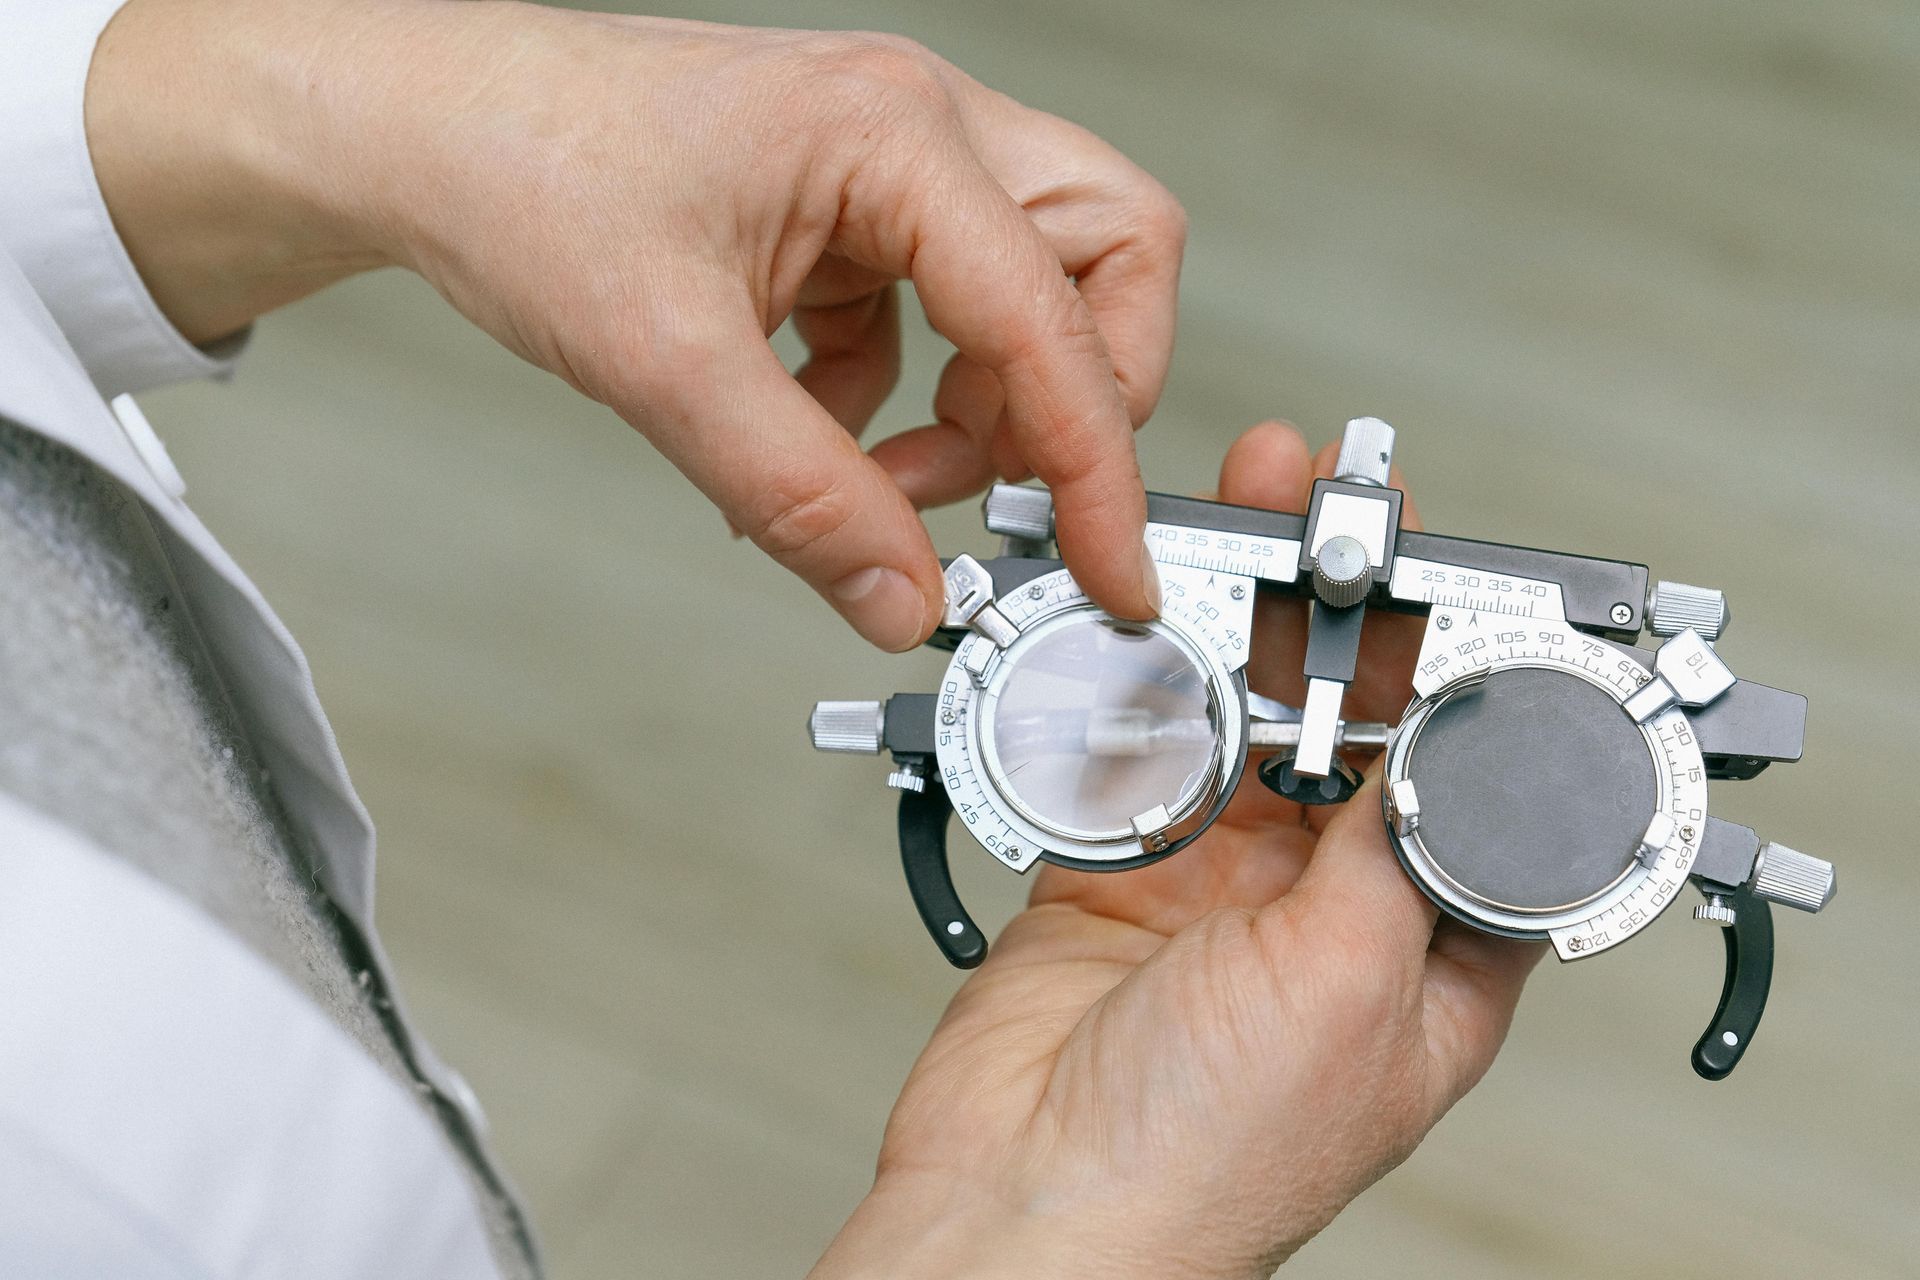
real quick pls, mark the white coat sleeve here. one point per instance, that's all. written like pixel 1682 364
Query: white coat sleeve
pixel 53 219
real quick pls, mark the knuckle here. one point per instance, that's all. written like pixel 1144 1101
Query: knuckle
pixel 797 514
pixel 1060 326
pixel 868 71
pixel 1166 217
pixel 904 45
pixel 1054 344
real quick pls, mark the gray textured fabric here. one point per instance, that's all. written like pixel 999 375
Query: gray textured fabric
pixel 112 721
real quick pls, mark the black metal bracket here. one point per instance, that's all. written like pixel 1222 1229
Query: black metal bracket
pixel 1743 995
pixel 923 855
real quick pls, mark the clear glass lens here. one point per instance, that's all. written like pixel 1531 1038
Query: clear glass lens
pixel 1099 721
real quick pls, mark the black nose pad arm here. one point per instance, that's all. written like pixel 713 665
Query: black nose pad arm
pixel 1743 997
pixel 923 855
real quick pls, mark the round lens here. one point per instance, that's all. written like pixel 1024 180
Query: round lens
pixel 1099 721
pixel 1534 789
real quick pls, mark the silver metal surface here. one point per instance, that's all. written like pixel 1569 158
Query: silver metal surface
pixel 970 602
pixel 1673 607
pixel 1367 520
pixel 1319 728
pixel 1659 834
pixel 1366 452
pixel 969 589
pixel 1688 663
pixel 1349 735
pixel 1244 555
pixel 1341 574
pixel 1150 828
pixel 1717 910
pixel 1793 879
pixel 978 660
pixel 908 778
pixel 1403 807
pixel 1019 511
pixel 847 726
pixel 1686 671
pixel 1455 586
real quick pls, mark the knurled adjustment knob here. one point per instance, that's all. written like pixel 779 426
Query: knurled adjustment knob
pixel 1342 575
pixel 1673 607
pixel 1366 452
pixel 1716 909
pixel 907 778
pixel 1017 511
pixel 1792 879
pixel 847 726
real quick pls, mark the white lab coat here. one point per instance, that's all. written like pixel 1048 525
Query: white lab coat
pixel 170 1104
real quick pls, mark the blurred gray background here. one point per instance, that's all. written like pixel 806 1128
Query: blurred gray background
pixel 1633 277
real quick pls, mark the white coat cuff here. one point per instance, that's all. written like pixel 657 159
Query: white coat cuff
pixel 53 218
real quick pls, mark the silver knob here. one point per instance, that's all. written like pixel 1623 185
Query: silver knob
pixel 1017 511
pixel 907 778
pixel 847 726
pixel 1366 452
pixel 1673 607
pixel 1717 909
pixel 1792 879
pixel 1341 573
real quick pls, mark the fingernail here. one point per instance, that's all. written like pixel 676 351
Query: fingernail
pixel 1150 581
pixel 883 605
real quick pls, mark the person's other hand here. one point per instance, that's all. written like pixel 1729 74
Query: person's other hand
pixel 1189 1069
pixel 636 204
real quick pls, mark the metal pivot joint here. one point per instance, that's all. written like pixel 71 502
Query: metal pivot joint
pixel 1548 780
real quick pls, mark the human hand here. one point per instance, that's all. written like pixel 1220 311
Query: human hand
pixel 1187 1070
pixel 635 204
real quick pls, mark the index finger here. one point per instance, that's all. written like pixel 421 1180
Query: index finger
pixel 993 286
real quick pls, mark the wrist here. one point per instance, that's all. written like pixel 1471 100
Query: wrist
pixel 918 1227
pixel 228 140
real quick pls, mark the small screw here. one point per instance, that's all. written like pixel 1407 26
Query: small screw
pixel 947 717
pixel 1013 853
pixel 1686 833
pixel 1035 591
pixel 1239 591
pixel 1623 613
pixel 1443 622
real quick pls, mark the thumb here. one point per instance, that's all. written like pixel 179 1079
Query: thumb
pixel 1354 886
pixel 787 475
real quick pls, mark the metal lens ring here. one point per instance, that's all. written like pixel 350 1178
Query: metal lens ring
pixel 1087 740
pixel 1544 811
pixel 1092 717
